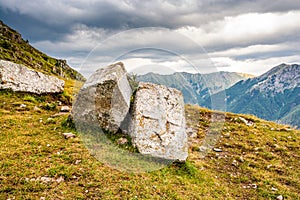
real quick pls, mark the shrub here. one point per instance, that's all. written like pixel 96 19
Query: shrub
pixel 29 98
pixel 49 106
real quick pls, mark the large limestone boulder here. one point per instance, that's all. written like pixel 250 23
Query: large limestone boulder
pixel 20 78
pixel 158 125
pixel 104 99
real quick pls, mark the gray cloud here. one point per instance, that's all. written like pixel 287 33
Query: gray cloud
pixel 71 29
pixel 121 15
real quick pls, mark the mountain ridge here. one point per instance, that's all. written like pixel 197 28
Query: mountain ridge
pixel 273 96
pixel 195 87
pixel 15 49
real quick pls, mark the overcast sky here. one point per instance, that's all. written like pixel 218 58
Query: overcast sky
pixel 176 35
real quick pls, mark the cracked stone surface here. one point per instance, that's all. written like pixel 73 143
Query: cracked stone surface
pixel 17 77
pixel 158 122
pixel 104 99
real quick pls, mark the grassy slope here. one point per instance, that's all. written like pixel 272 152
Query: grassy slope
pixel 14 48
pixel 266 155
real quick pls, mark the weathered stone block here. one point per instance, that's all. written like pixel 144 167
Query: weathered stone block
pixel 17 77
pixel 158 122
pixel 104 99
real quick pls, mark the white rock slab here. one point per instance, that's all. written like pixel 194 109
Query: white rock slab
pixel 17 77
pixel 158 124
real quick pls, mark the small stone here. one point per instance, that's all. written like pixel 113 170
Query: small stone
pixel 248 123
pixel 46 179
pixel 48 145
pixel 280 197
pixel 274 189
pixel 217 149
pixel 77 162
pixel 203 149
pixel 50 121
pixel 269 166
pixel 86 191
pixel 22 106
pixel 41 120
pixel 59 114
pixel 122 141
pixel 69 135
pixel 37 109
pixel 234 163
pixel 42 198
pixel 60 179
pixel 227 135
pixel 65 109
pixel 241 159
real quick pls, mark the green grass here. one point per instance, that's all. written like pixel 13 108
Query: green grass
pixel 265 154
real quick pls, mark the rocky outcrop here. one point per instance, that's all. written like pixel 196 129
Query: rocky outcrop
pixel 158 125
pixel 104 99
pixel 20 78
pixel 155 121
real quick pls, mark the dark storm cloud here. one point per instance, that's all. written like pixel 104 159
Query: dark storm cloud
pixel 32 29
pixel 52 19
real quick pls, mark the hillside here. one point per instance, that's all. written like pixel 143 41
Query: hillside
pixel 260 161
pixel 272 96
pixel 14 48
pixel 195 87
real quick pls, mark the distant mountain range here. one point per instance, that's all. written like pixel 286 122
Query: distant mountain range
pixel 196 88
pixel 274 95
pixel 14 48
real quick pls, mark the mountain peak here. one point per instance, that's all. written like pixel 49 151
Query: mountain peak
pixel 272 96
pixel 279 69
pixel 279 79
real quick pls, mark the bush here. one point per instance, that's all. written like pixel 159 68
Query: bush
pixel 49 106
pixel 29 98
pixel 65 98
pixel 68 123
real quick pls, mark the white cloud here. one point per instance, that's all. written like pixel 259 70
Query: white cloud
pixel 252 66
pixel 245 29
pixel 254 49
